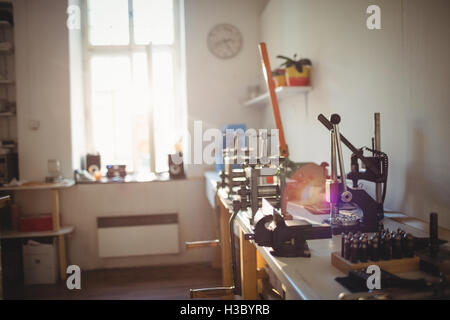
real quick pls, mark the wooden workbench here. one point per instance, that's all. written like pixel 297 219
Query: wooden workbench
pixel 302 278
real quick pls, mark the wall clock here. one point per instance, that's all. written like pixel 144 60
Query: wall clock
pixel 225 41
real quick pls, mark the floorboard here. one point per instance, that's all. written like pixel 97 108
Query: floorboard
pixel 143 283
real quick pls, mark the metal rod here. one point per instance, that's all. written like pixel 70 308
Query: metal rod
pixel 254 191
pixel 236 287
pixel 334 209
pixel 377 142
pixel 434 238
pixel 340 156
pixel 333 157
pixel 282 189
pixel 202 244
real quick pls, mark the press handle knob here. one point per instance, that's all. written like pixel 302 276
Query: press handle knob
pixel 335 118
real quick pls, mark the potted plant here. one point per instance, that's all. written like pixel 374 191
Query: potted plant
pixel 297 72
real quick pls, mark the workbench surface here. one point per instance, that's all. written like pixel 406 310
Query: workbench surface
pixel 314 277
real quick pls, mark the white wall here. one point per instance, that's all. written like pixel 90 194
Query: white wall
pixel 216 87
pixel 77 98
pixel 402 71
pixel 43 86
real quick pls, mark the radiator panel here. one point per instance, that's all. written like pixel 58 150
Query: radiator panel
pixel 137 236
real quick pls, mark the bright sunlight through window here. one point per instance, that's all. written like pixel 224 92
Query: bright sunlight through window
pixel 132 63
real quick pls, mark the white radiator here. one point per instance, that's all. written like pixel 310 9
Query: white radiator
pixel 138 235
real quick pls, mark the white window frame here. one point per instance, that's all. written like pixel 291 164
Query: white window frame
pixel 178 72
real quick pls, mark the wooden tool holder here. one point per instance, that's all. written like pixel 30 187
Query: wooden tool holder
pixel 392 266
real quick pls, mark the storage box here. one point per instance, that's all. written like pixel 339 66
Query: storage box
pixel 43 222
pixel 40 263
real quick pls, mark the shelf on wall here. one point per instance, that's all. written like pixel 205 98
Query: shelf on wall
pixel 7 114
pixel 4 23
pixel 9 234
pixel 6 82
pixel 6 47
pixel 282 92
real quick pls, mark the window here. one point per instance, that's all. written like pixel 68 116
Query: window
pixel 133 64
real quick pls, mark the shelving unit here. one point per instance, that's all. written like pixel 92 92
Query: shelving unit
pixel 3 201
pixel 7 82
pixel 282 93
pixel 7 114
pixel 58 231
pixel 6 47
pixel 8 234
pixel 8 108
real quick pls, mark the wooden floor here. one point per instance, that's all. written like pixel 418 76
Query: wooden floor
pixel 146 283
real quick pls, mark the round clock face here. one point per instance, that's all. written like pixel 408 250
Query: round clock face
pixel 225 41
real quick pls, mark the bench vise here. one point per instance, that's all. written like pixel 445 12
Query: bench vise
pixel 287 238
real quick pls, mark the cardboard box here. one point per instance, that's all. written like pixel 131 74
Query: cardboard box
pixel 40 263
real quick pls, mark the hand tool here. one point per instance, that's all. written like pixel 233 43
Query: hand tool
pixel 347 247
pixel 363 251
pixel 343 238
pixel 252 191
pixel 387 247
pixel 434 241
pixel 394 287
pixel 375 249
pixel 337 191
pixel 376 166
pixel 397 247
pixel 286 238
pixel 434 254
pixel 354 251
pixel 381 246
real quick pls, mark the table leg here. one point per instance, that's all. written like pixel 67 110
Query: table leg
pixel 225 245
pixel 62 257
pixel 249 281
pixel 260 267
pixel 217 262
pixel 61 241
pixel 55 209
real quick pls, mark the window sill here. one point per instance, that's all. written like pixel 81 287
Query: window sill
pixel 160 177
